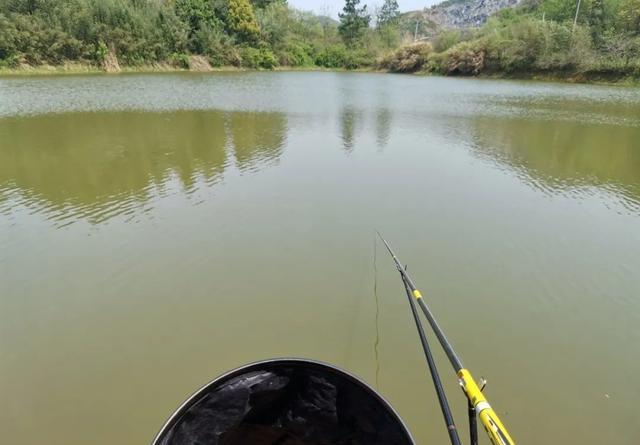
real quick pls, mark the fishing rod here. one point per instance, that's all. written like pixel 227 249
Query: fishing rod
pixel 442 398
pixel 494 427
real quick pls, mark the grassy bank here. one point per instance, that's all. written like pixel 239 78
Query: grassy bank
pixel 474 59
pixel 81 68
pixel 152 35
pixel 536 41
pixel 77 68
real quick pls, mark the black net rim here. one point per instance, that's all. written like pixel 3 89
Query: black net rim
pixel 275 363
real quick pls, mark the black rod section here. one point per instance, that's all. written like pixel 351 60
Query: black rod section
pixel 442 398
pixel 473 424
pixel 448 349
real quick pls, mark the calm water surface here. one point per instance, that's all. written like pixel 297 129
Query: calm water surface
pixel 156 231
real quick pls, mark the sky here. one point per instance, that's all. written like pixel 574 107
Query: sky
pixel 332 7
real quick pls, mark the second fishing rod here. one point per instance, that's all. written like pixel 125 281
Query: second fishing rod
pixel 493 426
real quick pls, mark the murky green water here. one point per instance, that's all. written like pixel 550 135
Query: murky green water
pixel 156 231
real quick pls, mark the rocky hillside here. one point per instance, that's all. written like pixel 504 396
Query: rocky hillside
pixel 452 14
pixel 467 13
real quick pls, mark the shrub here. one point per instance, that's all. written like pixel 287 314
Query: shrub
pixel 179 60
pixel 467 58
pixel 408 59
pixel 358 58
pixel 296 54
pixel 333 56
pixel 8 35
pixel 564 48
pixel 258 58
pixel 515 47
pixel 100 52
pixel 446 39
pixel 629 16
pixel 267 59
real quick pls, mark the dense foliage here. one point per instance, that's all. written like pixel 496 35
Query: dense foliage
pixel 538 37
pixel 247 33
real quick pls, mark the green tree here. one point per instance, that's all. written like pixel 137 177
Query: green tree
pixel 563 10
pixel 596 15
pixel 596 20
pixel 8 34
pixel 196 13
pixel 389 13
pixel 353 22
pixel 173 30
pixel 200 18
pixel 629 16
pixel 388 18
pixel 264 3
pixel 27 6
pixel 241 20
pixel 276 23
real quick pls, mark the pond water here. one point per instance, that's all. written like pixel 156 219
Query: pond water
pixel 158 230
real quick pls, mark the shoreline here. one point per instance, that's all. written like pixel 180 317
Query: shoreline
pixel 568 78
pixel 79 69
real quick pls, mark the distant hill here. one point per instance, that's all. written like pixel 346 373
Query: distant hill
pixel 452 14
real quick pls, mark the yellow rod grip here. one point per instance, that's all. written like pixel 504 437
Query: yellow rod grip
pixel 492 424
pixel 494 427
